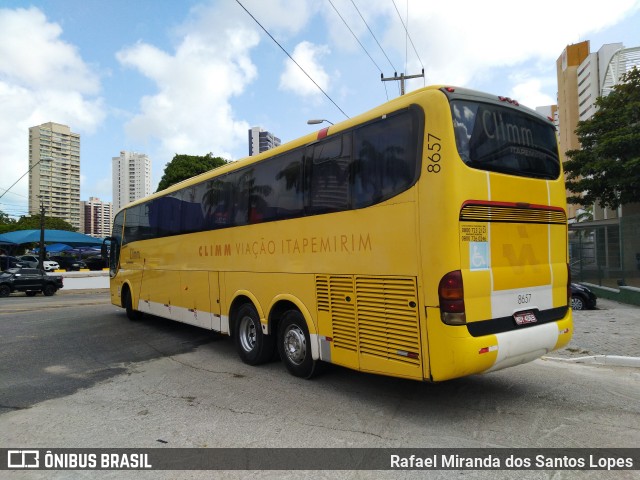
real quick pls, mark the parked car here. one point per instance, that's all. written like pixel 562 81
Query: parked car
pixel 50 265
pixel 96 262
pixel 30 261
pixel 29 280
pixel 7 262
pixel 69 263
pixel 582 298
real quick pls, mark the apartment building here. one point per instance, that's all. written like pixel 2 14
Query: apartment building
pixel 260 141
pixel 131 178
pixel 96 217
pixel 54 172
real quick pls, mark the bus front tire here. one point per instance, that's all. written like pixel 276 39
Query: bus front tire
pixel 253 347
pixel 294 345
pixel 128 306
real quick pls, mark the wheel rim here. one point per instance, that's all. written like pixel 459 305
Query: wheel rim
pixel 295 345
pixel 576 303
pixel 247 333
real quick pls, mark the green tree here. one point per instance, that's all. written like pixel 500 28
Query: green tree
pixel 32 222
pixel 606 169
pixel 6 223
pixel 187 166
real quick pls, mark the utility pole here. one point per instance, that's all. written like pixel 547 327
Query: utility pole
pixel 401 79
pixel 41 256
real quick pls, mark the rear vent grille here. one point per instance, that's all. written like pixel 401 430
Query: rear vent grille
pixel 372 315
pixel 512 214
pixel 387 318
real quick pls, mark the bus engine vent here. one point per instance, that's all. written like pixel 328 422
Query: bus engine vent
pixel 375 316
pixel 497 212
pixel 387 316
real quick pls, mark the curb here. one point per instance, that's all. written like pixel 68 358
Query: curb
pixel 609 360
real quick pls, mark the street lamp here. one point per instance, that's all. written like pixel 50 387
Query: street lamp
pixel 316 121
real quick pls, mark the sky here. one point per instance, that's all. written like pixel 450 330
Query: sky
pixel 166 77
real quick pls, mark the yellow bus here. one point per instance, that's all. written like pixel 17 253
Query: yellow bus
pixel 425 239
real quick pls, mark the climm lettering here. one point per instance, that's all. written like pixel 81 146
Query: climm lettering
pixel 217 250
pixel 495 127
pixel 332 244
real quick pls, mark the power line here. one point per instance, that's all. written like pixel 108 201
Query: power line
pixel 291 58
pixel 359 42
pixel 407 32
pixel 374 37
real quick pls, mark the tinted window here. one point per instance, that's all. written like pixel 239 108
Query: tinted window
pixel 505 140
pixel 328 173
pixel 217 203
pixel 137 226
pixel 118 222
pixel 192 209
pixel 165 214
pixel 353 169
pixel 386 157
pixel 276 188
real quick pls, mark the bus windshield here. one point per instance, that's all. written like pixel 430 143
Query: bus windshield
pixel 499 139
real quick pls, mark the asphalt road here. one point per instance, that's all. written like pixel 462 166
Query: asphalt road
pixel 53 346
pixel 115 383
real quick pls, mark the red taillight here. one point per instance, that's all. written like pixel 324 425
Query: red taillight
pixel 509 100
pixel 450 89
pixel 451 296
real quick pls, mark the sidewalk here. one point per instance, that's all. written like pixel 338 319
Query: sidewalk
pixel 609 335
pixel 83 280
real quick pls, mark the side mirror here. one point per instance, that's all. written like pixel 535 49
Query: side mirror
pixel 103 249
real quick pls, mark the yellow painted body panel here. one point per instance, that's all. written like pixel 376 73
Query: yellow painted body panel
pixel 366 281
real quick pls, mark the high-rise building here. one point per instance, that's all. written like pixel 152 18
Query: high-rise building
pixel 261 141
pixel 96 217
pixel 131 178
pixel 568 110
pixel 54 183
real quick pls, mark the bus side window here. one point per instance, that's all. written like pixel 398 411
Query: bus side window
pixel 242 182
pixel 386 159
pixel 329 175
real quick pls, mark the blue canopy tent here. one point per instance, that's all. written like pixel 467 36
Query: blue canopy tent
pixel 57 247
pixel 73 239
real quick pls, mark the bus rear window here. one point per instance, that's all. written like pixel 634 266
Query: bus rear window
pixel 490 137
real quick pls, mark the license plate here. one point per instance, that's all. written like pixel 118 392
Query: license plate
pixel 525 318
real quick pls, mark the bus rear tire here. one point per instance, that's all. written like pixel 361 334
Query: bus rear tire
pixel 128 306
pixel 294 345
pixel 253 347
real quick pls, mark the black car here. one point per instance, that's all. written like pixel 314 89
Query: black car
pixel 582 298
pixel 96 262
pixel 69 263
pixel 7 262
pixel 29 280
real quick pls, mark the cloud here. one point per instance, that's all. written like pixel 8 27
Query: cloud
pixel 42 79
pixel 308 56
pixel 190 110
pixel 458 49
pixel 529 92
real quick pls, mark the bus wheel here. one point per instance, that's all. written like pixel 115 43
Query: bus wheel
pixel 128 306
pixel 252 345
pixel 294 345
